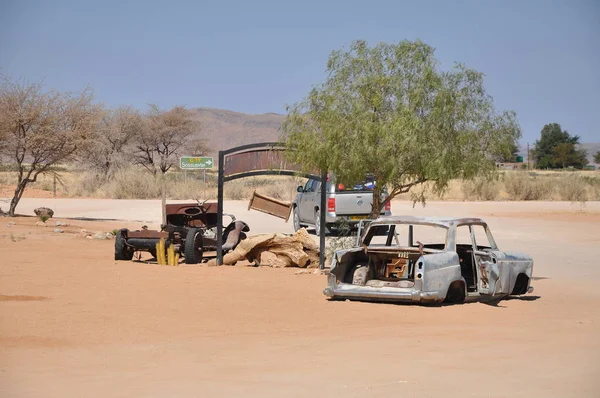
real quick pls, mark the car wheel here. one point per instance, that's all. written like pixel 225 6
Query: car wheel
pixel 296 219
pixel 193 246
pixel 122 251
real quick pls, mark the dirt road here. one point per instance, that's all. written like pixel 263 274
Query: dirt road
pixel 73 322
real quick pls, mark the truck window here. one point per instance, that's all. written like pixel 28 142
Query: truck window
pixel 310 186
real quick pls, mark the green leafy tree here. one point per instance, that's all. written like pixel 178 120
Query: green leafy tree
pixel 548 156
pixel 566 155
pixel 563 153
pixel 389 110
pixel 597 157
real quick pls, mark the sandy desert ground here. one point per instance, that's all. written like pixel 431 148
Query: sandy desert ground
pixel 75 323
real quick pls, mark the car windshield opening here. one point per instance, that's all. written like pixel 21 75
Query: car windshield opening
pixel 425 236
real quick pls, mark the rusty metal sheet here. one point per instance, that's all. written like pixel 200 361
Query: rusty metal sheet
pixel 270 206
pixel 257 160
pixel 147 234
pixel 185 208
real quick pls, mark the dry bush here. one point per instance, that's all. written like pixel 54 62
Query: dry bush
pixel 282 188
pixel 190 189
pixel 480 189
pixel 235 190
pixel 87 185
pixel 132 184
pixel 520 186
pixel 573 188
pixel 593 185
pixel 7 178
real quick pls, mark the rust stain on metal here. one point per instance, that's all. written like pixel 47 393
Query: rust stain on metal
pixel 147 234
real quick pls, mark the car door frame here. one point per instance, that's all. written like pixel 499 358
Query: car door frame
pixel 488 268
pixel 307 202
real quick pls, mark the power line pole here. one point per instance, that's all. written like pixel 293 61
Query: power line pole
pixel 528 157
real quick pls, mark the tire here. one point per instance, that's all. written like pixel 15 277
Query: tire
pixel 318 224
pixel 193 246
pixel 296 219
pixel 122 251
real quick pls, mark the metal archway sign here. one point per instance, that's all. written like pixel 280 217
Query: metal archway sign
pixel 264 158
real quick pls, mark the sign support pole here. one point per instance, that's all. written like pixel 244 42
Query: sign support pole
pixel 220 210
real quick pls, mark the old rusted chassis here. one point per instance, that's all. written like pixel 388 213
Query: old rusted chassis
pixel 186 228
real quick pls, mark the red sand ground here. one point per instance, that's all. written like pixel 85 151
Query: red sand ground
pixel 73 322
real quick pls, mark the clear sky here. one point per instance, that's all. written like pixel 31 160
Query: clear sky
pixel 541 58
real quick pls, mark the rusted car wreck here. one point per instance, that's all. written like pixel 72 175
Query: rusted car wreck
pixel 427 259
pixel 190 228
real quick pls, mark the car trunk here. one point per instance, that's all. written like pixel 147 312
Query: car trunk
pixel 378 268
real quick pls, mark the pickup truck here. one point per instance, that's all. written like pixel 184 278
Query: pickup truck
pixel 345 205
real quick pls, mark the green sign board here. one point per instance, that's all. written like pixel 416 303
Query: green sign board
pixel 196 162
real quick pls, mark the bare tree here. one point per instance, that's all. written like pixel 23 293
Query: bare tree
pixel 41 129
pixel 107 150
pixel 166 135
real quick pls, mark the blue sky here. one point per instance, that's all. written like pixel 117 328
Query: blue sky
pixel 541 58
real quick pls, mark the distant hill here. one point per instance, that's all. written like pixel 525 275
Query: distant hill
pixel 591 148
pixel 225 129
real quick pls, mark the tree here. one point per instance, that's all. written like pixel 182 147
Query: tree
pixel 41 129
pixel 107 150
pixel 545 149
pixel 390 111
pixel 165 134
pixel 566 155
pixel 563 153
pixel 597 157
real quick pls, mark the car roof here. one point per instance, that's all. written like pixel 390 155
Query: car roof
pixel 445 222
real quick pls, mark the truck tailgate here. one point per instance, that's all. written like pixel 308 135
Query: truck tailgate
pixel 347 203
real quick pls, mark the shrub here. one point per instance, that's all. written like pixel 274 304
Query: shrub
pixel 132 184
pixel 572 188
pixel 521 186
pixel 480 189
pixel 593 187
pixel 235 190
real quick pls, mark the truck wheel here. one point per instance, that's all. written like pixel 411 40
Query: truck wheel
pixel 296 219
pixel 193 246
pixel 318 224
pixel 122 251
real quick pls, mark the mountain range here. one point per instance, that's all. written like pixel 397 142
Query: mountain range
pixel 224 129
